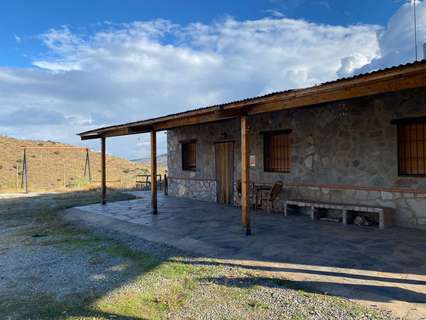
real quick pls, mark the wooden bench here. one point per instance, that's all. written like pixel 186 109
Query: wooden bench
pixel 385 214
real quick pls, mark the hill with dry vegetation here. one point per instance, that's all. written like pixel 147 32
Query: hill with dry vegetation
pixel 58 169
pixel 161 161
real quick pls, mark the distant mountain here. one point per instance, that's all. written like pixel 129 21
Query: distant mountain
pixel 161 161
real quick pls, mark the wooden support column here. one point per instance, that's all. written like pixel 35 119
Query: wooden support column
pixel 154 172
pixel 245 175
pixel 103 168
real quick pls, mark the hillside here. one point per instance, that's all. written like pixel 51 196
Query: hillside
pixel 60 169
pixel 161 161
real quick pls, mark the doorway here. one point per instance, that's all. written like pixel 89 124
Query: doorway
pixel 224 153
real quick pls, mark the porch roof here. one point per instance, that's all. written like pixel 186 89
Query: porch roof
pixel 408 76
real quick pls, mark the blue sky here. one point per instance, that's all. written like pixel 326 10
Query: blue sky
pixel 28 18
pixel 70 66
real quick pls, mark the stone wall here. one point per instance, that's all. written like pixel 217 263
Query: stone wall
pixel 204 190
pixel 343 152
pixel 409 206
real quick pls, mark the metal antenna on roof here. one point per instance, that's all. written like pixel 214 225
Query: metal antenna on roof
pixel 415 28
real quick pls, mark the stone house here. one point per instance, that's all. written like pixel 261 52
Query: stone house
pixel 359 140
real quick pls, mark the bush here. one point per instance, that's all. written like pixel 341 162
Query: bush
pixel 82 182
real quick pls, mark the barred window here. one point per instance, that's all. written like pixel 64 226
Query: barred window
pixel 276 151
pixel 412 148
pixel 189 155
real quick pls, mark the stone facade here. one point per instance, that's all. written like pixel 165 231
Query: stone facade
pixel 343 152
pixel 410 207
pixel 204 190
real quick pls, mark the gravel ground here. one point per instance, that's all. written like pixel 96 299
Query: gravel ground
pixel 232 293
pixel 34 264
pixel 269 301
pixel 44 262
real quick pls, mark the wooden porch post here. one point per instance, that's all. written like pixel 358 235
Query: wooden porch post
pixel 103 168
pixel 245 175
pixel 154 172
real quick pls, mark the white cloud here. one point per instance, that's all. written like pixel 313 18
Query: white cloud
pixel 275 13
pixel 397 40
pixel 18 39
pixel 139 70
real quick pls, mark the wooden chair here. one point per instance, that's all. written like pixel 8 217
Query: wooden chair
pixel 272 195
pixel 238 189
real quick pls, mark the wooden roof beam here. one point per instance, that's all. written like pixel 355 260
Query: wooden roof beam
pixel 106 134
pixel 215 116
pixel 90 137
pixel 341 93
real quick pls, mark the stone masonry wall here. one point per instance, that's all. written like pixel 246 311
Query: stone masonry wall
pixel 204 190
pixel 342 152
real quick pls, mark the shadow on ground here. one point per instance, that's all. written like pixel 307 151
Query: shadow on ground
pixel 357 263
pixel 49 269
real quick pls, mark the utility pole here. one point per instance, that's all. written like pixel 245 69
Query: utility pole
pixel 415 29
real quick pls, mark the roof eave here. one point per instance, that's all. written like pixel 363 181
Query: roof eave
pixel 388 80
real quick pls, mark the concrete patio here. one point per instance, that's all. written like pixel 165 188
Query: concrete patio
pixel 384 268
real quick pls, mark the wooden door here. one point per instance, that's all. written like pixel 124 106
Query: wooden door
pixel 224 152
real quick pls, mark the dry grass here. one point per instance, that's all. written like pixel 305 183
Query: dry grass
pixel 60 169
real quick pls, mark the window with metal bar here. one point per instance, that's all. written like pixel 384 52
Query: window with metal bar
pixel 189 156
pixel 412 148
pixel 276 151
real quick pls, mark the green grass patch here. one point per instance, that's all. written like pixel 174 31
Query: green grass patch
pixel 161 290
